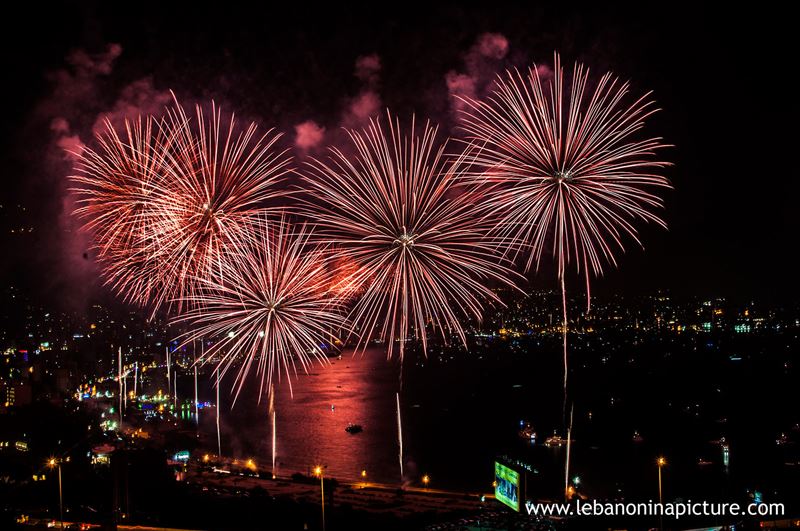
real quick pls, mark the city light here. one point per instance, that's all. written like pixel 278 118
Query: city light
pixel 318 472
pixel 53 462
pixel 661 462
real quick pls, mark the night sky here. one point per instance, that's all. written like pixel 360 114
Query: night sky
pixel 724 82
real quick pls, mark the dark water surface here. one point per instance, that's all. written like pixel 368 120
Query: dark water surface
pixel 461 410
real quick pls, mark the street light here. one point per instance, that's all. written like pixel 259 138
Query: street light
pixel 661 462
pixel 53 462
pixel 425 480
pixel 318 472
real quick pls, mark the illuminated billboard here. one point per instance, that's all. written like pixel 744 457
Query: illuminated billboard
pixel 183 455
pixel 506 488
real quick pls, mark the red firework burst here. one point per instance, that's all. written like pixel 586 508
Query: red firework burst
pixel 394 210
pixel 565 164
pixel 271 307
pixel 163 202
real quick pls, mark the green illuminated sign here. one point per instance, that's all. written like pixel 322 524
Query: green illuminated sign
pixel 506 488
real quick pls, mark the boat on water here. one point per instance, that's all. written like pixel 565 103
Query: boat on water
pixel 352 429
pixel 555 441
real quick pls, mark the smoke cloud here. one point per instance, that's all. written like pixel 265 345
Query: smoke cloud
pixel 139 98
pixel 356 111
pixel 484 59
pixel 308 135
pixel 367 103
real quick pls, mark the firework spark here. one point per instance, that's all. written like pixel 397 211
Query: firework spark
pixel 271 307
pixel 396 211
pixel 163 202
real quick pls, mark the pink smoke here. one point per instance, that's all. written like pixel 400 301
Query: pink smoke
pixel 68 142
pixel 101 63
pixel 459 86
pixel 481 63
pixel 75 93
pixel 356 111
pixel 308 135
pixel 362 108
pixel 72 147
pixel 492 45
pixel 367 103
pixel 139 98
pixel 368 68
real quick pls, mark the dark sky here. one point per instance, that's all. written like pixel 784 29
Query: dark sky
pixel 724 82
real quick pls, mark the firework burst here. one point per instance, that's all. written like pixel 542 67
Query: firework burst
pixel 563 167
pixel 163 202
pixel 395 210
pixel 271 308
